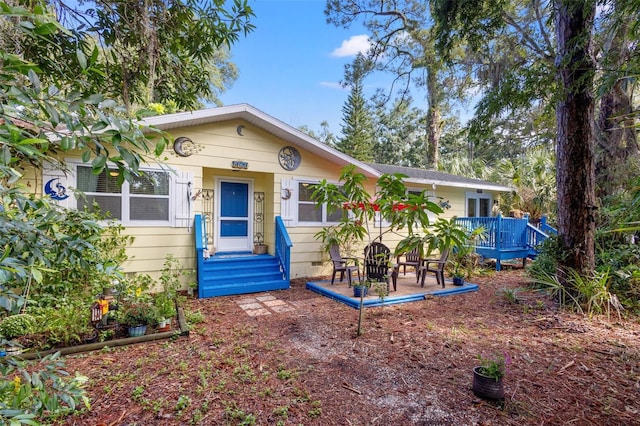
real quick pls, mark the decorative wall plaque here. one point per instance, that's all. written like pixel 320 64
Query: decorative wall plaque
pixel 289 158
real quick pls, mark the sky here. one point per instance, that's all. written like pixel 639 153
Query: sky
pixel 291 65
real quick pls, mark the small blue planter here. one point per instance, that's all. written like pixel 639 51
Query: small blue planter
pixel 137 331
pixel 357 289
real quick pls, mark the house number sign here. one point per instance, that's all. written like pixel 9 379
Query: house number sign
pixel 243 165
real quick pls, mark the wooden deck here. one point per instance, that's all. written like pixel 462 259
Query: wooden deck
pixel 407 291
pixel 506 238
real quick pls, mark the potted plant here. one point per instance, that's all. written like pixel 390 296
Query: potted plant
pixel 487 377
pixel 137 316
pixel 458 274
pixel 361 288
pixel 165 306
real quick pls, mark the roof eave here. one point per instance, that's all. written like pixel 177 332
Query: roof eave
pixel 264 121
pixel 466 185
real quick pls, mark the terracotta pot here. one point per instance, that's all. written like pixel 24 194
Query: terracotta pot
pixel 487 387
pixel 260 248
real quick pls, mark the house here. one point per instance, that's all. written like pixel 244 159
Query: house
pixel 239 172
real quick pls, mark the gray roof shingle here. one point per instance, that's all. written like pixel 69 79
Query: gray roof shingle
pixel 439 178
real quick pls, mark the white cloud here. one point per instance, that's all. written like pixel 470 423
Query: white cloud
pixel 353 46
pixel 331 85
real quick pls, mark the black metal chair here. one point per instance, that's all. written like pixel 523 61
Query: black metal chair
pixel 377 264
pixel 411 258
pixel 438 269
pixel 342 265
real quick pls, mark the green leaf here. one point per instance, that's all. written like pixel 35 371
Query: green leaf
pixel 67 143
pixel 98 163
pixel 46 29
pixel 34 79
pixel 82 59
pixel 94 99
pixel 100 125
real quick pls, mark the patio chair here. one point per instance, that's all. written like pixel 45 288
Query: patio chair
pixel 434 265
pixel 341 264
pixel 377 264
pixel 411 258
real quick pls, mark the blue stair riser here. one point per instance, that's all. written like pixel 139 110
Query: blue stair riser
pixel 241 263
pixel 250 277
pixel 228 275
pixel 245 288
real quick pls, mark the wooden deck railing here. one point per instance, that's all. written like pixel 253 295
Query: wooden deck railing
pixel 283 249
pixel 502 233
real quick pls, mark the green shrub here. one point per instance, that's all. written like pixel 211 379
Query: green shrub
pixel 63 325
pixel 546 263
pixel 38 391
pixel 17 325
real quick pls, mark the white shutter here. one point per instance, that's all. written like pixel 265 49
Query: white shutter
pixel 182 195
pixel 56 185
pixel 288 201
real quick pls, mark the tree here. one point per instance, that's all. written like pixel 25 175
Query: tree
pixel 153 51
pixel 476 22
pixel 617 150
pixel 325 136
pixel 403 44
pixel 48 108
pixel 575 141
pixel 390 191
pixel 357 128
pixel 401 134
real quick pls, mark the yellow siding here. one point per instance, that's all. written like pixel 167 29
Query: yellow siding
pixel 218 145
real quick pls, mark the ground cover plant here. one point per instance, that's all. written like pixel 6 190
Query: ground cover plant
pixel 305 365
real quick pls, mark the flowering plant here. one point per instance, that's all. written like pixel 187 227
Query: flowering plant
pixel 496 368
pixel 139 314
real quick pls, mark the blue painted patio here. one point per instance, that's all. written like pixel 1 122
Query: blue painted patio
pixel 407 291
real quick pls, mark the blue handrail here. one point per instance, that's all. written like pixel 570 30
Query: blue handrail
pixel 283 249
pixel 544 227
pixel 201 244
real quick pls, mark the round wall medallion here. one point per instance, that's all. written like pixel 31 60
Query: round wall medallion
pixel 289 158
pixel 184 147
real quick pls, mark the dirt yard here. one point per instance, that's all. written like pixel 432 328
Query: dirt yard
pixel 300 364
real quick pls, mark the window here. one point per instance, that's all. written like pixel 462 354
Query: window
pixel 478 204
pixel 145 199
pixel 309 211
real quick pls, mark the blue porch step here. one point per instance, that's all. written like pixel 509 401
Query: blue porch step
pixel 240 273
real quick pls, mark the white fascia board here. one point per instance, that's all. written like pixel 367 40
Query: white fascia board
pixel 483 186
pixel 264 121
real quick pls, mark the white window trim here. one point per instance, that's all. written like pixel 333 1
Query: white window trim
pixel 125 200
pixel 477 196
pixel 298 222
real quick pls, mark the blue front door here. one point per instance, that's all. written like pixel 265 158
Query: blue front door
pixel 234 226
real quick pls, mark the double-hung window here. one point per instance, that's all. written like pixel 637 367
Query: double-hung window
pixel 144 199
pixel 310 211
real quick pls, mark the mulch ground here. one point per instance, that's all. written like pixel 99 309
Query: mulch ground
pixel 301 363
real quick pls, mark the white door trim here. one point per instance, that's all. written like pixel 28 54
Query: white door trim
pixel 228 244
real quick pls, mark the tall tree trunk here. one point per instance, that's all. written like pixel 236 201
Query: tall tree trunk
pixel 434 121
pixel 575 141
pixel 616 138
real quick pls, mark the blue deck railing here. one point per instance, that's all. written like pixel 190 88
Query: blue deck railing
pixel 501 233
pixel 283 249
pixel 507 237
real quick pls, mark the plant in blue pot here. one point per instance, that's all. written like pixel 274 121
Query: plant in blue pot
pixel 138 316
